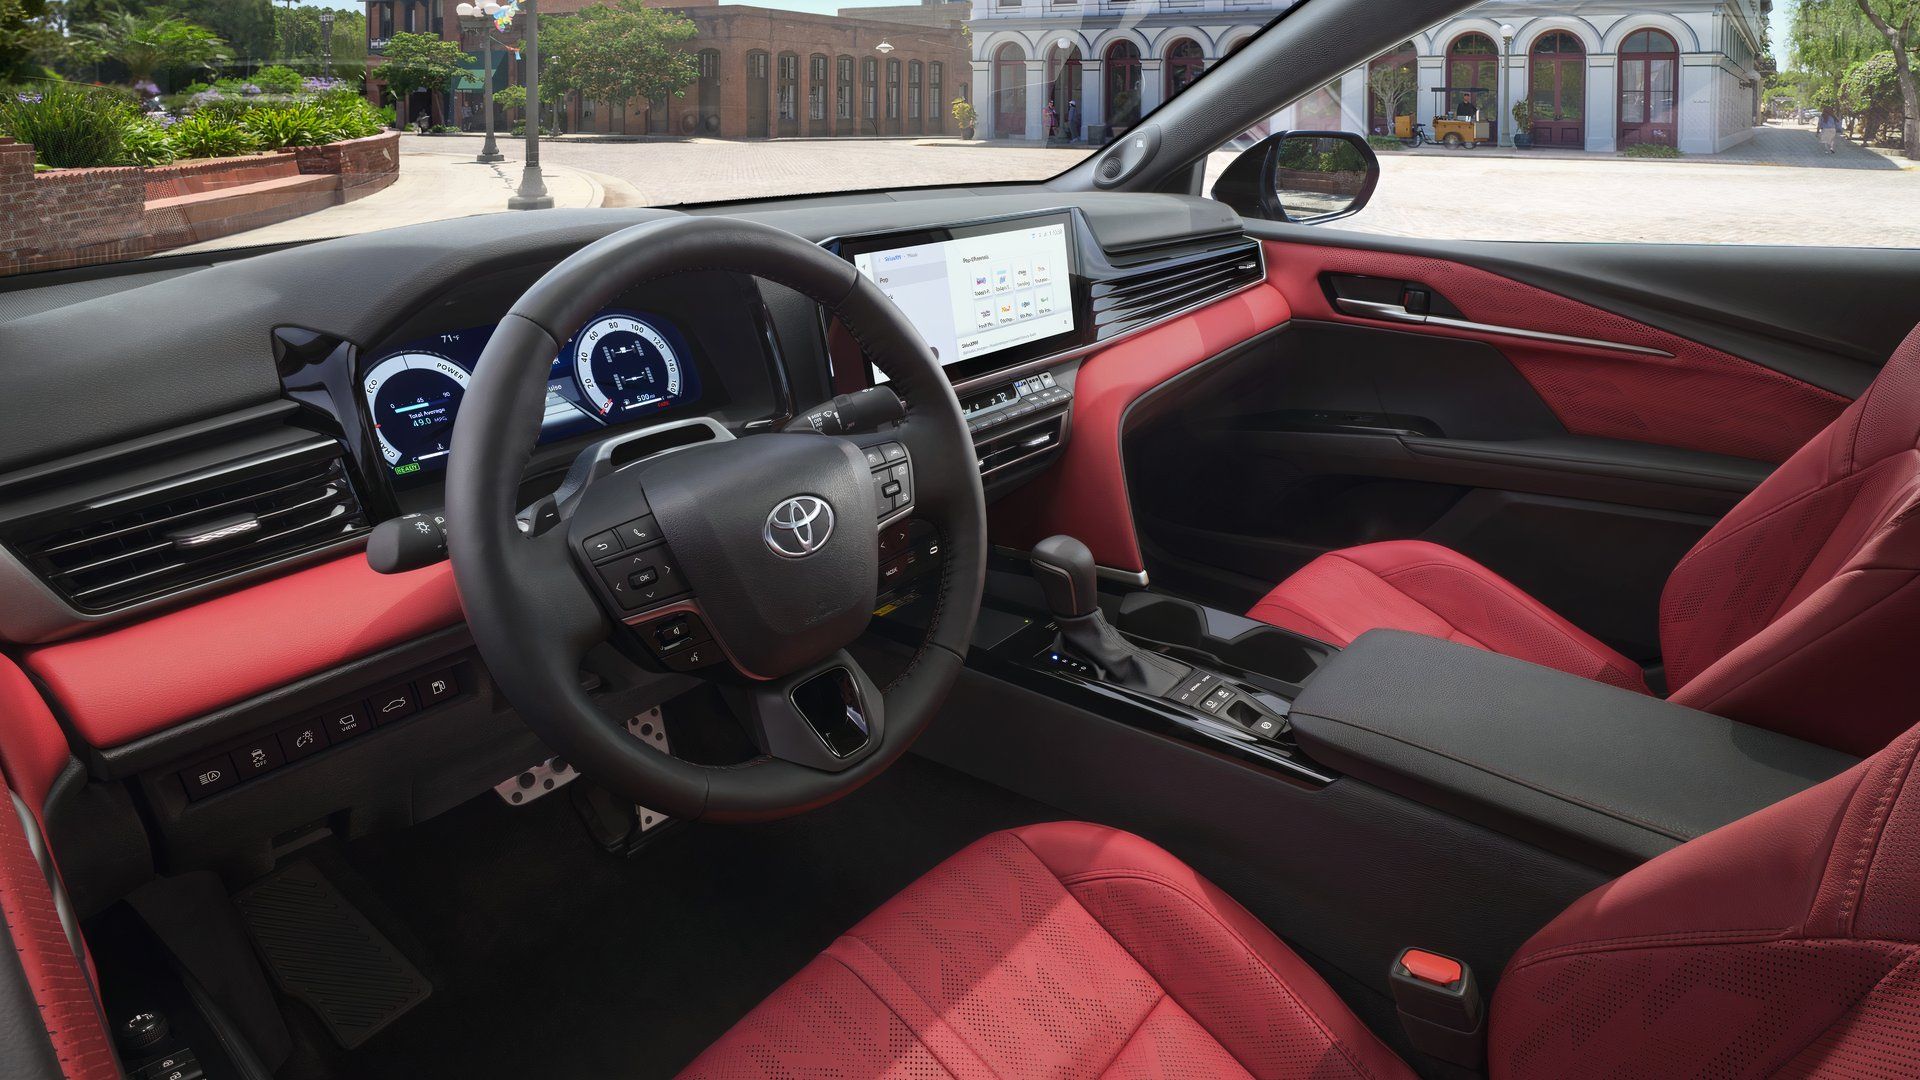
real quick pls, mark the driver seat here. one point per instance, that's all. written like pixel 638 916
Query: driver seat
pixel 1785 944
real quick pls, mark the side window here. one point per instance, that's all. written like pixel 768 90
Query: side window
pixel 1634 123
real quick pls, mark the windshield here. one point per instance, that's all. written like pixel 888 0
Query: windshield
pixel 183 125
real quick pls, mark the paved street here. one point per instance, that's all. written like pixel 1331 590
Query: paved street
pixel 1776 191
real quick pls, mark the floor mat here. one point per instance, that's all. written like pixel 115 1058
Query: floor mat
pixel 550 958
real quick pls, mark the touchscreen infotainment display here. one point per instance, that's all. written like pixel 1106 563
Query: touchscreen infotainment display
pixel 972 296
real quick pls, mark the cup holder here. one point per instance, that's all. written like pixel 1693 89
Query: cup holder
pixel 1233 640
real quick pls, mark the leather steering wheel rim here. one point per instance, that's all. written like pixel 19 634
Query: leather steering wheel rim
pixel 532 615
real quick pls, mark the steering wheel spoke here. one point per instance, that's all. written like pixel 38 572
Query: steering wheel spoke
pixel 829 717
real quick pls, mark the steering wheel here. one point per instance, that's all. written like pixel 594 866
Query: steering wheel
pixel 769 543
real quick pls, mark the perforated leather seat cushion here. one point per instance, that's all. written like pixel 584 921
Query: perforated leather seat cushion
pixel 1055 950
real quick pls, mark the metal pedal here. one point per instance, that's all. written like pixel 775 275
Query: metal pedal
pixel 555 773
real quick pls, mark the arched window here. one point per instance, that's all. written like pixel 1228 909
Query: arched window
pixel 936 96
pixel 1123 84
pixel 1649 79
pixel 1009 91
pixel 1393 88
pixel 1473 73
pixel 1184 61
pixel 1557 89
pixel 817 87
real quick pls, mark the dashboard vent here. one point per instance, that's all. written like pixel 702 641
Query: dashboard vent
pixel 1156 288
pixel 195 529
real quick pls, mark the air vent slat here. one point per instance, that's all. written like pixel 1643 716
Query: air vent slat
pixel 1152 290
pixel 203 528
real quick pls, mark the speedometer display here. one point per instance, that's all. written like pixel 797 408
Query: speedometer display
pixel 621 367
pixel 624 364
pixel 413 397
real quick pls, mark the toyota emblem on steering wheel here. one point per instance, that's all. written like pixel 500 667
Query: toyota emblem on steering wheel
pixel 799 526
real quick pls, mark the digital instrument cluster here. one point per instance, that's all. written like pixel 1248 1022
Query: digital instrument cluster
pixel 621 366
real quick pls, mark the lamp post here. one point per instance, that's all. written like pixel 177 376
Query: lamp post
pixel 533 188
pixel 326 43
pixel 1506 107
pixel 479 18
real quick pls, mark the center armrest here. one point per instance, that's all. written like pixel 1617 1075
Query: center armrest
pixel 1601 774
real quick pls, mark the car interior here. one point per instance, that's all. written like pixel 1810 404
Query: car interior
pixel 1284 651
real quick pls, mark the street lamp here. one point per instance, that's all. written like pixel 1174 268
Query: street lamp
pixel 1506 107
pixel 533 189
pixel 479 17
pixel 884 47
pixel 326 43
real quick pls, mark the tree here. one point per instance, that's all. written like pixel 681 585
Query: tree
pixel 28 39
pixel 418 62
pixel 300 44
pixel 1393 89
pixel 1871 91
pixel 1895 20
pixel 245 25
pixel 151 44
pixel 618 53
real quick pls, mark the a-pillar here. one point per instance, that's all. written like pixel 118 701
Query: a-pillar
pixel 1603 103
pixel 1093 97
pixel 1699 108
pixel 1431 75
pixel 1352 89
pixel 1036 99
pixel 982 99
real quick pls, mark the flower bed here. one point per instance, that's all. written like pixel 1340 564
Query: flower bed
pixel 72 217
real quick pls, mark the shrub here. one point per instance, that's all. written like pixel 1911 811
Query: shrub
pixel 278 79
pixel 1385 142
pixel 963 113
pixel 201 135
pixel 1652 150
pixel 273 127
pixel 144 142
pixel 70 126
pixel 351 117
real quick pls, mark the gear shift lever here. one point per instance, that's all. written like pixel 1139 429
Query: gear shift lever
pixel 1065 570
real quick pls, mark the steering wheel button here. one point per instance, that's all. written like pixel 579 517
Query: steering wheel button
pixel 640 579
pixel 894 451
pixel 601 545
pixel 699 655
pixel 639 532
pixel 890 488
pixel 875 458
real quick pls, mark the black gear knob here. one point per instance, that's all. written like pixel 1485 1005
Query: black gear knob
pixel 1064 568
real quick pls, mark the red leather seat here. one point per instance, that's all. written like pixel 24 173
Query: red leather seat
pixel 1054 950
pixel 1799 611
pixel 1786 944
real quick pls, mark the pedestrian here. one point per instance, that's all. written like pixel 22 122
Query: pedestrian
pixel 1829 128
pixel 1073 120
pixel 1047 121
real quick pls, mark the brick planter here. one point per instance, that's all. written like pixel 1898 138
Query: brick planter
pixel 73 217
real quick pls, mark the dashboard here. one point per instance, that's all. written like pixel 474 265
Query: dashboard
pixel 623 367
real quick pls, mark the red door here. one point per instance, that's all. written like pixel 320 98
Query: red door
pixel 1558 91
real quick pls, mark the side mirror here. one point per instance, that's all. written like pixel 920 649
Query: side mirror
pixel 1303 177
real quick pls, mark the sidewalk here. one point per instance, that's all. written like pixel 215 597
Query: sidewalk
pixel 433 186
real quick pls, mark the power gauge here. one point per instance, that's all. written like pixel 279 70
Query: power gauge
pixel 413 397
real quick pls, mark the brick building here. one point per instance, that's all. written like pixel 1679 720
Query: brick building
pixel 763 73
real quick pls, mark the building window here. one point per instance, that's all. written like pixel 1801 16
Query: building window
pixel 937 108
pixel 1184 62
pixel 386 20
pixel 843 88
pixel 788 87
pixel 1010 91
pixel 1649 76
pixel 893 89
pixel 1557 90
pixel 817 86
pixel 870 87
pixel 1473 73
pixel 914 89
pixel 709 63
pixel 1123 84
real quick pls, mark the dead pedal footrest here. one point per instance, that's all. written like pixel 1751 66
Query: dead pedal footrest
pixel 322 951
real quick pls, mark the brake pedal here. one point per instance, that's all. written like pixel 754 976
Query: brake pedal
pixel 555 773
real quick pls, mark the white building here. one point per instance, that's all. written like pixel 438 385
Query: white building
pixel 1601 74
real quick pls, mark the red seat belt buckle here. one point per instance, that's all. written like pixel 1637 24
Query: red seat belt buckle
pixel 1440 1007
